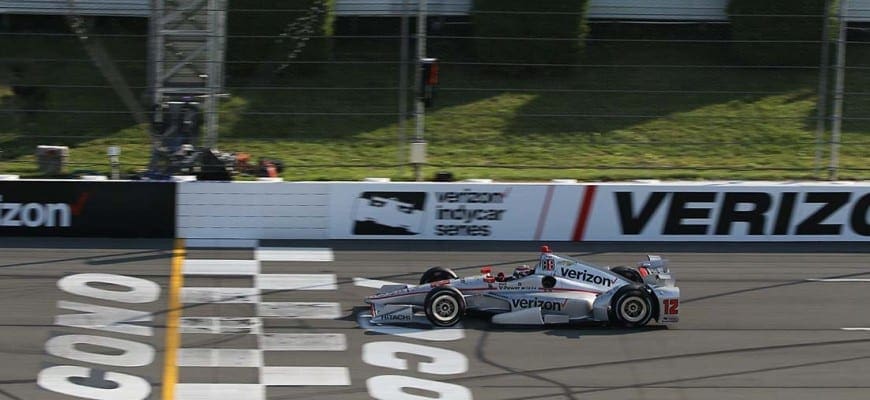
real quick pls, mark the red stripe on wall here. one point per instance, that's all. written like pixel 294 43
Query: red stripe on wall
pixel 583 215
pixel 542 219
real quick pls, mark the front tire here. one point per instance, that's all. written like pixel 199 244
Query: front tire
pixel 436 274
pixel 444 306
pixel 631 308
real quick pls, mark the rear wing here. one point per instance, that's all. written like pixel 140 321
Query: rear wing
pixel 655 272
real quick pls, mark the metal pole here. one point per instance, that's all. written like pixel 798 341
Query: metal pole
pixel 151 71
pixel 419 107
pixel 403 82
pixel 822 103
pixel 213 68
pixel 837 114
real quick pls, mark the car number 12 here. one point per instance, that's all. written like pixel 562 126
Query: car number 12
pixel 672 306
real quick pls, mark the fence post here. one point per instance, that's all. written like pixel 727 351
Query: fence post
pixel 837 115
pixel 419 107
pixel 403 83
pixel 822 102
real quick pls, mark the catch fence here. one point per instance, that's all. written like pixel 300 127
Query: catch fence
pixel 332 93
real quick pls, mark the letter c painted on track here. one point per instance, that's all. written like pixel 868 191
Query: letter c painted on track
pixel 385 354
pixel 59 379
pixel 390 387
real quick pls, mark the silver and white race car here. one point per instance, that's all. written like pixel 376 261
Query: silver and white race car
pixel 557 290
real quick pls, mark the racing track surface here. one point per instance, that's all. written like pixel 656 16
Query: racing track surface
pixel 753 326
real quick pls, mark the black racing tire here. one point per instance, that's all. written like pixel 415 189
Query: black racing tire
pixel 631 307
pixel 628 273
pixel 436 274
pixel 444 306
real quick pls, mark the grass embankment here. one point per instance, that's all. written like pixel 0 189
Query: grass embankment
pixel 650 110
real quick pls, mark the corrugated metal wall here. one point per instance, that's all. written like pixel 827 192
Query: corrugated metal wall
pixel 674 10
pixel 132 8
pixel 689 10
pixel 396 7
pixel 706 10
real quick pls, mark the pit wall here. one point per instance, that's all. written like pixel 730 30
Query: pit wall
pixel 650 211
pixel 702 211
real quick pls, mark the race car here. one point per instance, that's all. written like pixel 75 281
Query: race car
pixel 558 290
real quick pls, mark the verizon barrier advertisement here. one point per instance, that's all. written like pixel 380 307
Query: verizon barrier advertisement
pixel 71 208
pixel 731 213
pixel 606 212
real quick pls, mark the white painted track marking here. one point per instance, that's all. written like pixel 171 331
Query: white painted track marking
pixel 211 391
pixel 299 310
pixel 227 357
pixel 221 325
pixel 839 280
pixel 372 283
pixel 305 376
pixel 856 329
pixel 220 267
pixel 204 295
pixel 221 243
pixel 303 342
pixel 197 357
pixel 293 254
pixel 296 282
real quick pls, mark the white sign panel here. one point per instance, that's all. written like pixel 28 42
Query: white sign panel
pixel 252 210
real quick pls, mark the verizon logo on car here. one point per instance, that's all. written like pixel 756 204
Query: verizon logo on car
pixel 553 305
pixel 33 215
pixel 584 276
pixel 738 213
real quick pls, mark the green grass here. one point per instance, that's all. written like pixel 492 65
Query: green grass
pixel 588 122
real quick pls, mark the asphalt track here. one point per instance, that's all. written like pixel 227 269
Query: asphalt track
pixel 756 323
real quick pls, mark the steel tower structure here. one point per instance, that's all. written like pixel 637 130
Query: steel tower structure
pixel 187 42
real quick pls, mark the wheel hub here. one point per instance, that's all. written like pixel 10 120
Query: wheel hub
pixel 445 308
pixel 634 309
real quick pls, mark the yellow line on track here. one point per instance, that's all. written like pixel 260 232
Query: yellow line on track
pixel 176 280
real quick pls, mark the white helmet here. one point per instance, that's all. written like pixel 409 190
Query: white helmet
pixel 522 270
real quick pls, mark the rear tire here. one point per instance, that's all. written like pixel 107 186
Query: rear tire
pixel 631 307
pixel 436 274
pixel 444 306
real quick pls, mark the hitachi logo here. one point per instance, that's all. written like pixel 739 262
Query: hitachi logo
pixel 35 214
pixel 396 317
pixel 544 304
pixel 583 276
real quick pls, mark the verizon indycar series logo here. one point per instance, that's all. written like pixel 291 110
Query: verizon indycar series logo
pixel 389 213
pixel 468 212
pixel 33 215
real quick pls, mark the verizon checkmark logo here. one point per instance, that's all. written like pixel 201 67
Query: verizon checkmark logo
pixel 77 207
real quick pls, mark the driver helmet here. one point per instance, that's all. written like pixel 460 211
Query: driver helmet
pixel 522 270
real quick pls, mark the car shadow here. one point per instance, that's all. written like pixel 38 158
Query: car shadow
pixel 479 321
